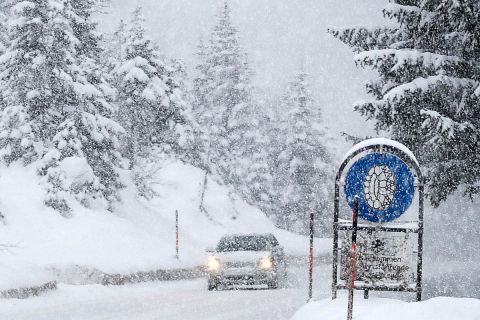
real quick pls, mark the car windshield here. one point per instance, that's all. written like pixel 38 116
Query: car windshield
pixel 243 243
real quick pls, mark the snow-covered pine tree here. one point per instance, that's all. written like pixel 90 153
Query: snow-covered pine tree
pixel 149 98
pixel 113 49
pixel 276 135
pixel 116 49
pixel 304 164
pixel 427 94
pixel 249 152
pixel 224 108
pixel 25 119
pixel 257 177
pixel 85 148
pixel 3 29
pixel 247 144
pixel 57 109
pixel 3 41
pixel 202 113
pixel 84 29
pixel 213 94
pixel 184 139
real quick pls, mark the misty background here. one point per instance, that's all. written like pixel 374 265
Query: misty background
pixel 279 37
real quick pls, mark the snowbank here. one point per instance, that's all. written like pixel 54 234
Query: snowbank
pixel 440 308
pixel 15 273
pixel 139 236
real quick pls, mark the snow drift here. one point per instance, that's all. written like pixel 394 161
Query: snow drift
pixel 440 308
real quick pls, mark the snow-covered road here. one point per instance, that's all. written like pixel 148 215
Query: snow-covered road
pixel 167 301
pixel 186 300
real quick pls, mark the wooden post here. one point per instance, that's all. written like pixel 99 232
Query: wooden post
pixel 353 259
pixel 176 234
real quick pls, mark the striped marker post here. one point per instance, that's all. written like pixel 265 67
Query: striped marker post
pixel 310 259
pixel 353 252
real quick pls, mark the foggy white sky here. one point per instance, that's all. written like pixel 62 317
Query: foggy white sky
pixel 278 35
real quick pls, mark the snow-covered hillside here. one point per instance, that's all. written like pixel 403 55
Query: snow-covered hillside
pixel 139 236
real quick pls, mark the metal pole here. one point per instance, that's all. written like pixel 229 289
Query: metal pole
pixel 310 259
pixel 353 258
pixel 335 236
pixel 420 240
pixel 176 234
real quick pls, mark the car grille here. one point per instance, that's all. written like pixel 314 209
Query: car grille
pixel 240 264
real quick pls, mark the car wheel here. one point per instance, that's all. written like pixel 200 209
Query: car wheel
pixel 212 285
pixel 273 284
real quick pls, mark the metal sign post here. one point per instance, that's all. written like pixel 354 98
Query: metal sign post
pixel 310 259
pixel 353 253
pixel 380 178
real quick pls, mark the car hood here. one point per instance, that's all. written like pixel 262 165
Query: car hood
pixel 244 256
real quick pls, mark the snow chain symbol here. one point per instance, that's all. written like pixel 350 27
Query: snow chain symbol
pixel 379 187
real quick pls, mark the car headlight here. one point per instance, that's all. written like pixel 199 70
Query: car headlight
pixel 266 263
pixel 213 264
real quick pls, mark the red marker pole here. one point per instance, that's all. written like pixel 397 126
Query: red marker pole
pixel 310 260
pixel 353 252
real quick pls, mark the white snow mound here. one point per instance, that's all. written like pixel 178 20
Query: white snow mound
pixel 440 308
pixel 16 274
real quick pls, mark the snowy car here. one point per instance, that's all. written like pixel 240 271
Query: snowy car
pixel 246 259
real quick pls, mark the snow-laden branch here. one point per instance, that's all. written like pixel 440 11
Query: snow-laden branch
pixel 422 85
pixel 399 60
pixel 444 125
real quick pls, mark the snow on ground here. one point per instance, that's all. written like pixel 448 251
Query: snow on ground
pixel 174 300
pixel 140 236
pixel 179 300
pixel 440 308
pixel 15 273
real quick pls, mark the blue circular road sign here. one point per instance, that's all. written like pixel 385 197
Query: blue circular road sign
pixel 384 185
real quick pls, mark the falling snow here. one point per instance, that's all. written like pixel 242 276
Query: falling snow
pixel 136 134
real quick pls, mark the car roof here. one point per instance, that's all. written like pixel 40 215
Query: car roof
pixel 235 235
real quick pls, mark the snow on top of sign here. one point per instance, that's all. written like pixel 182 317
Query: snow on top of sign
pixel 380 141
